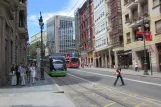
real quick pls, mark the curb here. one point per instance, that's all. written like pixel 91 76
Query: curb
pixel 59 88
pixel 150 76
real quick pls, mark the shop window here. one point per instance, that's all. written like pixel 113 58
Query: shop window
pixel 158 26
pixel 128 37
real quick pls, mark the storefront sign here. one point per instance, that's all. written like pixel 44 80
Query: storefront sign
pixel 90 55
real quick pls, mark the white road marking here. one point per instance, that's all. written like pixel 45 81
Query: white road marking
pixel 144 82
pixel 137 97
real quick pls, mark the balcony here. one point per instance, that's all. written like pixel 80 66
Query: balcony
pixel 131 4
pixel 23 33
pixel 109 29
pixel 22 5
pixel 109 44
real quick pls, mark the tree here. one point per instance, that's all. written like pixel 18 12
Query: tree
pixel 33 47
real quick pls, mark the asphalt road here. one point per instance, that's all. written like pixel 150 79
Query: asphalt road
pixel 143 86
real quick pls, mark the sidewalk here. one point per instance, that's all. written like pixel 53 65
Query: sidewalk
pixel 128 72
pixel 44 93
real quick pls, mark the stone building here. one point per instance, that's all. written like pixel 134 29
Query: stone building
pixel 37 37
pixel 13 36
pixel 133 12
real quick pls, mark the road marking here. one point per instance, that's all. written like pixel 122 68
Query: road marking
pixel 137 97
pixel 83 90
pixel 110 104
pixel 91 94
pixel 144 82
pixel 77 97
pixel 125 98
pixel 140 104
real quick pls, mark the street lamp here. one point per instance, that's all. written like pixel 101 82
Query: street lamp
pixel 28 53
pixel 41 27
pixel 144 26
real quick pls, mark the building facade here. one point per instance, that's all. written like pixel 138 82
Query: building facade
pixel 14 36
pixel 37 37
pixel 77 32
pixel 102 38
pixel 86 31
pixel 116 34
pixel 133 11
pixel 61 34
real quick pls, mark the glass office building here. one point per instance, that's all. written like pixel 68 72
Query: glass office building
pixel 61 35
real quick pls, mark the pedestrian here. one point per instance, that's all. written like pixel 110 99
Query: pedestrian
pixel 17 73
pixel 118 74
pixel 13 76
pixel 33 72
pixel 136 66
pixel 23 74
pixel 28 72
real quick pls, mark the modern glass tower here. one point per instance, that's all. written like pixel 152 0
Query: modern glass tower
pixel 61 35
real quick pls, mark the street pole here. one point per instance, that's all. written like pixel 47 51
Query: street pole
pixel 41 58
pixel 145 60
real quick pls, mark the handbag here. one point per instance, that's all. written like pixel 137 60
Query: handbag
pixel 116 73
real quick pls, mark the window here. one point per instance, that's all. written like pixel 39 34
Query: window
pixel 126 18
pixel 156 2
pixel 125 2
pixel 128 37
pixel 135 15
pixel 158 26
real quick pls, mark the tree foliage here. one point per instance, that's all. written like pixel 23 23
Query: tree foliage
pixel 33 47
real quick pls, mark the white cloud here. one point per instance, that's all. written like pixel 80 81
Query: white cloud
pixel 66 11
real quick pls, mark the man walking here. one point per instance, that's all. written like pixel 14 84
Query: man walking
pixel 17 73
pixel 118 73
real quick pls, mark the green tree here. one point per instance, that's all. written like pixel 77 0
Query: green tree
pixel 33 47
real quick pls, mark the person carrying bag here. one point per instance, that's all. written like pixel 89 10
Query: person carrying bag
pixel 13 76
pixel 118 74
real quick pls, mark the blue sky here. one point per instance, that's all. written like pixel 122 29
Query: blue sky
pixel 48 9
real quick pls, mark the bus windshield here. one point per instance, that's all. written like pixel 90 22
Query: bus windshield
pixel 75 60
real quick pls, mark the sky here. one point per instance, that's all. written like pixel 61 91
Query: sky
pixel 48 9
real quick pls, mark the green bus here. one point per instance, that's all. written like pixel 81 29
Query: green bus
pixel 56 65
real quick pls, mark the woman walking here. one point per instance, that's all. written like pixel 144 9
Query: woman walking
pixel 33 72
pixel 28 72
pixel 23 74
pixel 14 77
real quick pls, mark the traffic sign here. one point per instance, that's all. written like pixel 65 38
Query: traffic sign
pixel 150 49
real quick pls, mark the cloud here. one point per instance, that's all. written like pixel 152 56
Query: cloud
pixel 66 11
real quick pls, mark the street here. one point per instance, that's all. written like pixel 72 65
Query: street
pixel 93 88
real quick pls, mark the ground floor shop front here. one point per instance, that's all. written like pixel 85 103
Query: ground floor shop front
pixel 110 58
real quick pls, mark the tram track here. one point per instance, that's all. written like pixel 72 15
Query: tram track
pixel 67 81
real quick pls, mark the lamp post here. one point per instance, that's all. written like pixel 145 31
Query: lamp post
pixel 41 27
pixel 28 53
pixel 144 26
